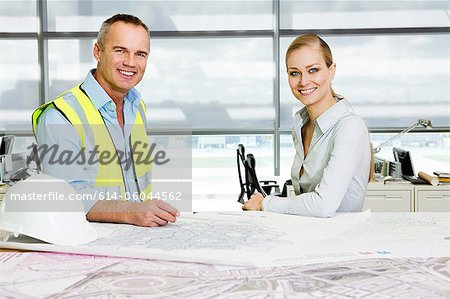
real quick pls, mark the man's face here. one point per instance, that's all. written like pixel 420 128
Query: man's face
pixel 122 61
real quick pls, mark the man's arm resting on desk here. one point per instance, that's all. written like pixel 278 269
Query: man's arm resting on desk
pixel 147 213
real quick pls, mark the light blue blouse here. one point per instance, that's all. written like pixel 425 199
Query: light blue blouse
pixel 336 168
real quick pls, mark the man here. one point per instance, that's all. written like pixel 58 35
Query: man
pixel 105 115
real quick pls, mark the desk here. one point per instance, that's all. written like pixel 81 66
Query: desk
pixel 432 198
pixel 367 274
pixel 402 196
pixel 101 277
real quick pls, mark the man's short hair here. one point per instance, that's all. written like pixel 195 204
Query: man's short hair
pixel 125 18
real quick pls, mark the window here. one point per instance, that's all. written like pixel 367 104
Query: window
pixel 19 89
pixel 319 15
pixel 18 16
pixel 391 80
pixel 218 67
pixel 86 15
pixel 214 170
pixel 211 83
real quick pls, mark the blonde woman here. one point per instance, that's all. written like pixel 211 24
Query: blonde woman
pixel 331 167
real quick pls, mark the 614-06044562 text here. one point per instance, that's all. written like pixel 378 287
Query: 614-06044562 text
pixel 161 195
pixel 55 196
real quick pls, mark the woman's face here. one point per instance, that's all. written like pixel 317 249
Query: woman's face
pixel 309 77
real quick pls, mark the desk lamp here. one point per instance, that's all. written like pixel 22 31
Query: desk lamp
pixel 426 123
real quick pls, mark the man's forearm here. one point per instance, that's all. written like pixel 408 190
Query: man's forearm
pixel 110 211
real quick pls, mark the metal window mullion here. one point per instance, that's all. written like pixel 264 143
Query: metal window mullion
pixel 205 132
pixel 18 35
pixel 368 31
pixel 276 86
pixel 208 132
pixel 42 51
pixel 169 34
pixel 249 33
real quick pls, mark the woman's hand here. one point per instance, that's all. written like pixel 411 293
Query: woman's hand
pixel 254 203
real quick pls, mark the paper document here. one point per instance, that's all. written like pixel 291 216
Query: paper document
pixel 43 275
pixel 231 238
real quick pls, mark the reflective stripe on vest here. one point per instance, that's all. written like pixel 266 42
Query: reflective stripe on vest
pixel 78 109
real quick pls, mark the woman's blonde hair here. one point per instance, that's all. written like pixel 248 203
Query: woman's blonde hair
pixel 312 40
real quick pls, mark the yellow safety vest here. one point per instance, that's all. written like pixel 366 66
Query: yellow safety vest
pixel 78 109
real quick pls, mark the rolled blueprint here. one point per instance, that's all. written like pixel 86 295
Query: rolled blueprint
pixel 432 180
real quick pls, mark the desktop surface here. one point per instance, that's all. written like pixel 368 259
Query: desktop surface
pixel 358 262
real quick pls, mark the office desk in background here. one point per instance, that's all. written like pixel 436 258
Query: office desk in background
pixel 402 196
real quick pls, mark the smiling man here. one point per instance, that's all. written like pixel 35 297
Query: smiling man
pixel 105 116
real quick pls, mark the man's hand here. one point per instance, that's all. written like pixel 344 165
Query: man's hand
pixel 148 213
pixel 152 213
pixel 254 203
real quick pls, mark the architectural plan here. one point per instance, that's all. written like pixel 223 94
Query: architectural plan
pixel 267 239
pixel 390 235
pixel 220 232
pixel 229 238
pixel 38 275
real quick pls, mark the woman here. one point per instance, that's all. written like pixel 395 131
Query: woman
pixel 333 153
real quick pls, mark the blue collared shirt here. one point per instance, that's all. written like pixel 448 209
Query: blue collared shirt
pixel 82 177
pixel 336 168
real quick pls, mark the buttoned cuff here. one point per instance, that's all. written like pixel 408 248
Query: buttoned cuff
pixel 275 204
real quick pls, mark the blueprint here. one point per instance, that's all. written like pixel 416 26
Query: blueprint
pixel 50 275
pixel 230 238
pixel 390 235
pixel 267 239
pixel 219 232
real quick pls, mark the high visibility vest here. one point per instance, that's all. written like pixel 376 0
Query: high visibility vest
pixel 79 110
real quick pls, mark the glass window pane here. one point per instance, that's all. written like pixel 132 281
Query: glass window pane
pixel 206 83
pixel 295 14
pixel 392 81
pixel 214 173
pixel 211 83
pixel 429 151
pixel 18 16
pixel 68 62
pixel 163 15
pixel 287 153
pixel 19 89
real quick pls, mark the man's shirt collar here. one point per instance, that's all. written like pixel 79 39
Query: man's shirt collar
pixel 98 95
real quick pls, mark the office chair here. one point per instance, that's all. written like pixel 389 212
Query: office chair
pixel 251 183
